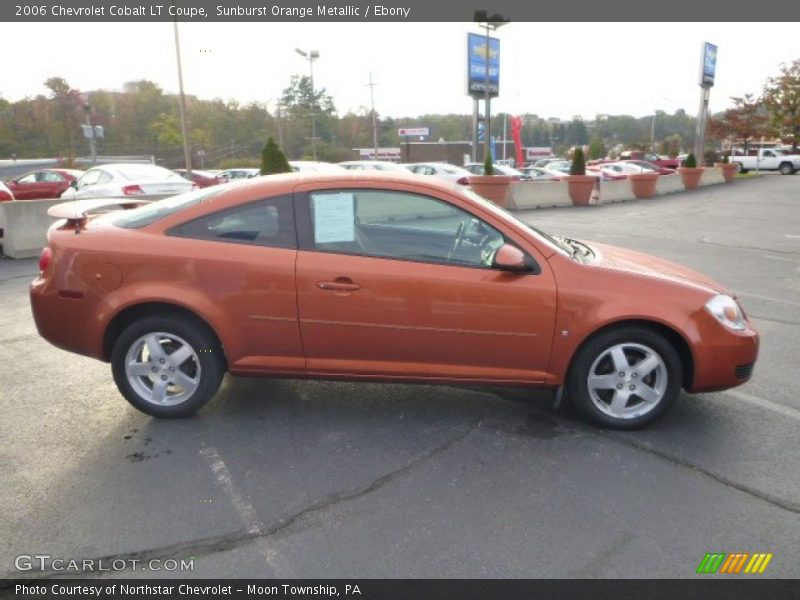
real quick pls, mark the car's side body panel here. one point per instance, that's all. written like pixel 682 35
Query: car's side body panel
pixel 406 321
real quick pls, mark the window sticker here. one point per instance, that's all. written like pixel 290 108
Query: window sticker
pixel 334 218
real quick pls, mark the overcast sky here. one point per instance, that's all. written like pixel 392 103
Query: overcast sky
pixel 550 69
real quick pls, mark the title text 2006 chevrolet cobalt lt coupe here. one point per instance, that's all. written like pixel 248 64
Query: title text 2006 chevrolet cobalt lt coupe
pixel 387 277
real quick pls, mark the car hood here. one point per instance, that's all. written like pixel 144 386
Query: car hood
pixel 646 265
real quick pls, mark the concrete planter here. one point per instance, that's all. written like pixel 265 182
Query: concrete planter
pixel 580 188
pixel 691 176
pixel 492 187
pixel 644 184
pixel 728 170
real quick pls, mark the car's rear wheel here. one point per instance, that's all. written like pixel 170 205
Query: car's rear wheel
pixel 786 168
pixel 625 378
pixel 742 170
pixel 167 366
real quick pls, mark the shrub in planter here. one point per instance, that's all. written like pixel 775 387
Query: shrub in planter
pixel 690 172
pixel 579 184
pixel 492 187
pixel 729 169
pixel 488 165
pixel 644 184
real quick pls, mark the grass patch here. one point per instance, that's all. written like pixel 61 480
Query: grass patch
pixel 748 175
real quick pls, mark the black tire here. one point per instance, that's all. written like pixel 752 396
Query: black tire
pixel 741 168
pixel 786 168
pixel 205 367
pixel 634 342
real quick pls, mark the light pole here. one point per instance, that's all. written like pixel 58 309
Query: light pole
pixel 372 85
pixel 311 56
pixel 492 23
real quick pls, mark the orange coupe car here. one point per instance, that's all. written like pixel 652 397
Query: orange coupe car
pixel 376 276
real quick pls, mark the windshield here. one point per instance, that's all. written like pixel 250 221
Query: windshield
pixel 150 213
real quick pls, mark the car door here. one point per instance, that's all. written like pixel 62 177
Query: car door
pixel 243 261
pixel 25 188
pixel 52 184
pixel 768 160
pixel 385 288
pixel 84 186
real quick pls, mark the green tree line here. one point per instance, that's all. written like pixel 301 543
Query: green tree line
pixel 143 119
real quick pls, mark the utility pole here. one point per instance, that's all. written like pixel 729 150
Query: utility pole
pixel 372 85
pixel 187 153
pixel 87 107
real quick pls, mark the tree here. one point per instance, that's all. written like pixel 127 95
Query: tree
pixel 596 148
pixel 576 133
pixel 302 103
pixel 671 146
pixel 67 102
pixel 782 98
pixel 273 160
pixel 741 123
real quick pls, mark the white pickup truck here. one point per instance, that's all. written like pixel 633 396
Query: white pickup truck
pixel 769 159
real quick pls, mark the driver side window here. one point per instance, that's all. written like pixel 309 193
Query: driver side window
pixel 89 178
pixel 401 225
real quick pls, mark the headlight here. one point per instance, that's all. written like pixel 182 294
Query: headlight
pixel 727 312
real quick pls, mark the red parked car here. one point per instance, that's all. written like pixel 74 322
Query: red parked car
pixel 383 276
pixel 203 179
pixel 42 184
pixel 669 163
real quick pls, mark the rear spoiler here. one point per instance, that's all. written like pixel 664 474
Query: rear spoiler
pixel 77 212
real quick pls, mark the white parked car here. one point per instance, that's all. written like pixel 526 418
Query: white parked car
pixel 477 169
pixel 623 168
pixel 440 170
pixel 315 166
pixel 372 165
pixel 124 180
pixel 541 173
pixel 769 159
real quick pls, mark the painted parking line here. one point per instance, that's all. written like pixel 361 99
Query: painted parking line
pixel 247 513
pixel 245 510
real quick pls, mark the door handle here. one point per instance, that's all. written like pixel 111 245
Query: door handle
pixel 342 284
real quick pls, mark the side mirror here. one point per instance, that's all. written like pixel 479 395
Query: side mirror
pixel 74 184
pixel 510 258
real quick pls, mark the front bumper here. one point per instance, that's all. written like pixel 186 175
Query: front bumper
pixel 722 358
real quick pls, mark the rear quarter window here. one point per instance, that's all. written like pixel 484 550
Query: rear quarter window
pixel 150 213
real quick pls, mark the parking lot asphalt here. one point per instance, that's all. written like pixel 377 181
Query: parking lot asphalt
pixel 289 478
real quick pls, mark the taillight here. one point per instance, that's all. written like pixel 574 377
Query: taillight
pixel 462 181
pixel 44 259
pixel 132 190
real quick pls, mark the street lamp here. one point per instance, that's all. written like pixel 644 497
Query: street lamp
pixel 311 56
pixel 492 23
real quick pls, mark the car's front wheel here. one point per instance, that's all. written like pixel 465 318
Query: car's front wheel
pixel 167 366
pixel 625 378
